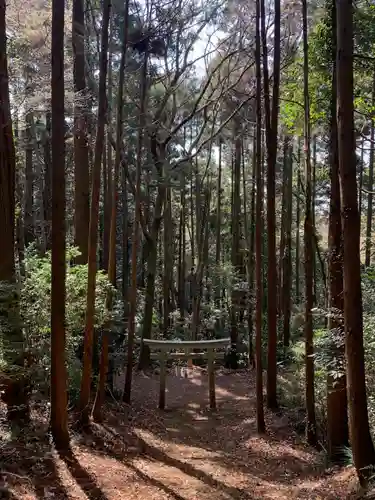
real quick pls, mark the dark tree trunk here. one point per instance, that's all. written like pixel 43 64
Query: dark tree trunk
pixel 287 258
pixel 308 251
pixel 218 226
pixel 59 399
pixel 298 223
pixel 370 185
pixel 258 232
pixel 104 358
pixel 93 226
pixel 362 445
pixel 135 236
pixel 81 150
pixel 47 192
pixel 29 184
pixel 15 392
pixel 360 194
pixel 337 402
pixel 271 124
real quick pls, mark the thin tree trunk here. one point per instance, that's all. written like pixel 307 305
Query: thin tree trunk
pixel 106 220
pixel 360 195
pixel 100 395
pixel 298 223
pixel 236 256
pixel 308 251
pixel 258 232
pixel 284 202
pixel 93 227
pixel 125 241
pixel 287 258
pixel 271 124
pixel 218 226
pixel 313 216
pixel 370 185
pixel 29 184
pixel 47 191
pixel 135 237
pixel 362 445
pixel 144 357
pixel 168 262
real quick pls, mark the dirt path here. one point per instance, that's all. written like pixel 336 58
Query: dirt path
pixel 184 453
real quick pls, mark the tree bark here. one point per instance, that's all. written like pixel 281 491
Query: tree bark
pixel 298 223
pixel 93 226
pixel 258 231
pixel 287 257
pixel 271 124
pixel 15 394
pixel 47 191
pixel 104 357
pixel 59 399
pixel 135 237
pixel 362 445
pixel 81 150
pixel 370 184
pixel 308 251
pixel 29 184
pixel 337 402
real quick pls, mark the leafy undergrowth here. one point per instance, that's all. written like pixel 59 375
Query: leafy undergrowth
pixel 184 453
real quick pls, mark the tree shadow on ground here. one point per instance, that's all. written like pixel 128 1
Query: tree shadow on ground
pixel 82 477
pixel 28 461
pixel 227 434
pixel 107 443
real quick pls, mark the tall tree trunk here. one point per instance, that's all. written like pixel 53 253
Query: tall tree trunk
pixel 15 394
pixel 106 207
pixel 29 183
pixel 258 231
pixel 287 258
pixel 81 150
pixel 249 236
pixel 125 240
pixel 135 237
pixel 181 247
pixel 236 256
pixel 192 211
pixel 59 399
pixel 337 402
pixel 168 262
pixel 313 216
pixel 362 446
pixel 201 263
pixel 218 226
pixel 93 227
pixel 308 249
pixel 284 202
pixel 100 395
pixel 20 242
pixel 144 357
pixel 47 191
pixel 370 184
pixel 271 119
pixel 360 194
pixel 298 222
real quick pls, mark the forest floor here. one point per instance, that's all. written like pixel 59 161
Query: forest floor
pixel 183 453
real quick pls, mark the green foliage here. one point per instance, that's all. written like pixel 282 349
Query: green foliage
pixel 35 307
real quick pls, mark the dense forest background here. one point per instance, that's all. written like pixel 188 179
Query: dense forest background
pixel 190 170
